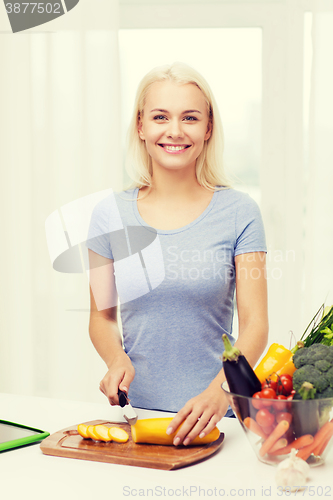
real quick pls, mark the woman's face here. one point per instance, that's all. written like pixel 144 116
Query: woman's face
pixel 175 125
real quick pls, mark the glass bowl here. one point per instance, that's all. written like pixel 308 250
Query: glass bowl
pixel 305 418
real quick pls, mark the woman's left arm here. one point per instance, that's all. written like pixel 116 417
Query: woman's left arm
pixel 201 413
pixel 251 296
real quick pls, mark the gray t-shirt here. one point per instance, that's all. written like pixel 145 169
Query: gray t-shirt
pixel 176 290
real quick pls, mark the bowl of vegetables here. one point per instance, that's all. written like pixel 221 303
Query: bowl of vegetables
pixel 284 412
pixel 275 426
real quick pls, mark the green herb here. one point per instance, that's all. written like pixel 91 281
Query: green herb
pixel 321 329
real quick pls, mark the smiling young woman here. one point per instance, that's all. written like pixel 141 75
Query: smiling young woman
pixel 174 125
pixel 209 164
pixel 174 133
pixel 170 356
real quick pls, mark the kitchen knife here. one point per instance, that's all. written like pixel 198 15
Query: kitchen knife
pixel 128 412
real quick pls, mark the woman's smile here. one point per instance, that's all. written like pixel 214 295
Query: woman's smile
pixel 175 148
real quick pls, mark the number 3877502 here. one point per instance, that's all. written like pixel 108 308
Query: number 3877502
pixel 32 7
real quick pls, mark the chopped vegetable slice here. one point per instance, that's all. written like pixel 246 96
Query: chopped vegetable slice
pixel 118 434
pixel 102 431
pixel 82 430
pixel 91 433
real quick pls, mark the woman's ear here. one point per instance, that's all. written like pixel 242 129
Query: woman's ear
pixel 209 130
pixel 140 131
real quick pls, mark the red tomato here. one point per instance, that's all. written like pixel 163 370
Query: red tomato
pixel 267 394
pixel 255 401
pixel 265 418
pixel 290 398
pixel 280 404
pixel 283 415
pixel 286 384
pixel 269 384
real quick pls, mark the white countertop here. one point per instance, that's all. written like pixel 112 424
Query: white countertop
pixel 234 471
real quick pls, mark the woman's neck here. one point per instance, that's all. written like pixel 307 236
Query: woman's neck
pixel 174 184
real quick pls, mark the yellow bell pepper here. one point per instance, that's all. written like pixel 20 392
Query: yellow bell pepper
pixel 275 361
pixel 287 369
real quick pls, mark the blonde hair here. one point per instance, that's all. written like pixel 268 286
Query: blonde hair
pixel 209 165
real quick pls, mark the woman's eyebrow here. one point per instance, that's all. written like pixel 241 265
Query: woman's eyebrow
pixel 184 112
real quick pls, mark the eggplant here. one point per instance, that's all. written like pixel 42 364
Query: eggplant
pixel 240 376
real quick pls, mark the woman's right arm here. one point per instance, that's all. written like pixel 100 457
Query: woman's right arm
pixel 103 328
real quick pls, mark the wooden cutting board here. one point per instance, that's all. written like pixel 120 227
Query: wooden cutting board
pixel 68 443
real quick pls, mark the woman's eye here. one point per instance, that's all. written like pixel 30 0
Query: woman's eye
pixel 186 118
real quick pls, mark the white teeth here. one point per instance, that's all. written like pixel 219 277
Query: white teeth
pixel 174 148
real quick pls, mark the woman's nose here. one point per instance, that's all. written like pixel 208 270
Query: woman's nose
pixel 175 129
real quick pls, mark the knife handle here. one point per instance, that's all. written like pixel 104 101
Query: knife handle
pixel 122 398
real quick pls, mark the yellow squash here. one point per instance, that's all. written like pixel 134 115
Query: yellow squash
pixel 91 433
pixel 118 434
pixel 102 431
pixel 82 430
pixel 153 431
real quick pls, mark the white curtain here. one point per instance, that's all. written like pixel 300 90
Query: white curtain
pixel 318 273
pixel 59 135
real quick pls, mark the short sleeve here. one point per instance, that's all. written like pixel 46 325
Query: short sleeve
pixel 250 232
pixel 98 238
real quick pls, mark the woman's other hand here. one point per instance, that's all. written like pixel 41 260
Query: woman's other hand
pixel 199 415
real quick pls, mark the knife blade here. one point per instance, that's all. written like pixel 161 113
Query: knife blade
pixel 128 412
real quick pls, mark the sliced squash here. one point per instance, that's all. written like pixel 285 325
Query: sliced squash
pixel 153 431
pixel 118 434
pixel 102 431
pixel 91 433
pixel 82 430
